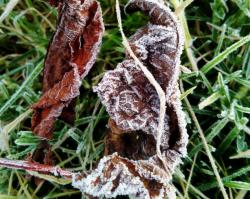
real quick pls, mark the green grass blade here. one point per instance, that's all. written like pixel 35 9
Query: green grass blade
pixel 209 100
pixel 218 126
pixel 223 55
pixel 243 82
pixel 238 185
pixel 242 109
pixel 228 140
pixel 238 173
pixel 17 94
pixel 242 154
pixel 187 92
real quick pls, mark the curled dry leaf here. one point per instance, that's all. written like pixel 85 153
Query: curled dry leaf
pixel 71 54
pixel 131 165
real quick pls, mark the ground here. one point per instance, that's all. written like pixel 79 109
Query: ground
pixel 215 84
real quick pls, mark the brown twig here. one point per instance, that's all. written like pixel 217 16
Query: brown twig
pixel 32 166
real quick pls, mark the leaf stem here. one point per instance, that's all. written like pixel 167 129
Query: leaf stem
pixel 31 166
pixel 180 12
pixel 152 80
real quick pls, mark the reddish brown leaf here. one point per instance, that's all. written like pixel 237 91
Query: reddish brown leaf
pixel 71 54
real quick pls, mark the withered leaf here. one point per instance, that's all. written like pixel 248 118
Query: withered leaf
pixel 116 175
pixel 71 54
pixel 131 165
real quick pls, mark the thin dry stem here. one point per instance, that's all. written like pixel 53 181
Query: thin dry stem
pixel 188 39
pixel 208 152
pixel 31 166
pixel 150 77
pixel 190 176
pixel 182 7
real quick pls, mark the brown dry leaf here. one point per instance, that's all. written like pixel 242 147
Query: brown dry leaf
pixel 71 54
pixel 131 165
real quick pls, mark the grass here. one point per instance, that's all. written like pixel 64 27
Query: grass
pixel 215 93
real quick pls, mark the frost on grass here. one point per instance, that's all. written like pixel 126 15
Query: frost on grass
pixel 131 165
pixel 71 54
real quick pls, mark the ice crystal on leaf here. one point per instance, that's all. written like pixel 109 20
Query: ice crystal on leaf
pixel 118 176
pixel 131 165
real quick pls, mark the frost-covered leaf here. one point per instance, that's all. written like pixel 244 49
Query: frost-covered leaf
pixel 119 176
pixel 131 165
pixel 71 54
pixel 130 99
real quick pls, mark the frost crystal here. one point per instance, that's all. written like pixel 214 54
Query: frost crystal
pixel 118 176
pixel 131 165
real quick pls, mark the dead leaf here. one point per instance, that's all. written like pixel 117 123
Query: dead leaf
pixel 131 165
pixel 71 54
